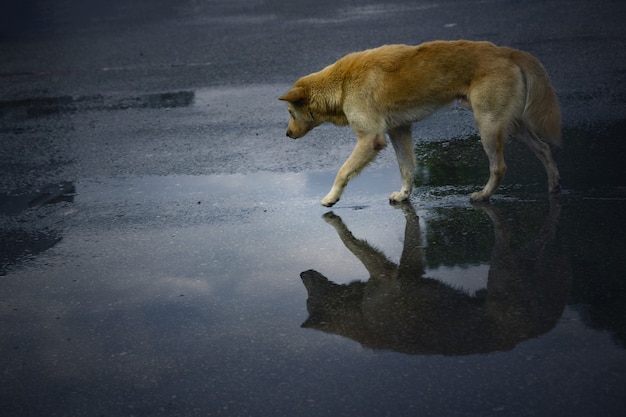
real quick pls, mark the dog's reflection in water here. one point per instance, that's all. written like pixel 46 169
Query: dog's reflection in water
pixel 400 309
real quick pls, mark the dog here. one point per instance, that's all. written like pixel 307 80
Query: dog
pixel 382 91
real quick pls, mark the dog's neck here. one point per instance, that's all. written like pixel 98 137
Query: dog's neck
pixel 328 98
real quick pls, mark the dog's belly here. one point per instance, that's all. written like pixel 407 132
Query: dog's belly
pixel 408 116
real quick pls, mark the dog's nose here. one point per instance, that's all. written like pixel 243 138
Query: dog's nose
pixel 289 134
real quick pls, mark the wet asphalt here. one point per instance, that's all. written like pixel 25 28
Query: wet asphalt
pixel 163 250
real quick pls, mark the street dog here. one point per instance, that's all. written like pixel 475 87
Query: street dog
pixel 381 92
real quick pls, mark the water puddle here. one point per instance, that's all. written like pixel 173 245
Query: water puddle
pixel 156 283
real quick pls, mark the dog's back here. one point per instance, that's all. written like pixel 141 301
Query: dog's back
pixel 414 81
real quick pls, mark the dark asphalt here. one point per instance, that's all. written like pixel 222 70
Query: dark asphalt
pixel 163 250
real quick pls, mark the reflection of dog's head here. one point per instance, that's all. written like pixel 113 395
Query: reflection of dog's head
pixel 301 118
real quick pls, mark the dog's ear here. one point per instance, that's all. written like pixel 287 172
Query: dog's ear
pixel 296 95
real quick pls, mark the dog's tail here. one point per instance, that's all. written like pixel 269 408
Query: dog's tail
pixel 541 113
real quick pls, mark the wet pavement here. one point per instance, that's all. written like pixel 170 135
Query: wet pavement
pixel 163 250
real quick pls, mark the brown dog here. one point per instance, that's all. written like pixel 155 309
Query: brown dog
pixel 384 90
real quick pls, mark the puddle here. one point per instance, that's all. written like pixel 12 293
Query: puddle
pixel 162 291
pixel 241 292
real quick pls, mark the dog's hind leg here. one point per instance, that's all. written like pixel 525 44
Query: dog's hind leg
pixel 543 152
pixel 492 139
pixel 402 142
pixel 366 149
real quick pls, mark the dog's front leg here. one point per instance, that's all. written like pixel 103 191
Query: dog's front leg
pixel 366 149
pixel 402 142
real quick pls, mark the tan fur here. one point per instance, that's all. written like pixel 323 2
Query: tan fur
pixel 382 91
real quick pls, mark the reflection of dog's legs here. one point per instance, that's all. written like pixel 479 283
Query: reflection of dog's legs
pixel 502 234
pixel 402 142
pixel 364 152
pixel 412 259
pixel 538 245
pixel 513 276
pixel 502 281
pixel 374 260
pixel 547 233
pixel 543 152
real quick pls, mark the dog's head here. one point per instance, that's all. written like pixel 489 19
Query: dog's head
pixel 302 118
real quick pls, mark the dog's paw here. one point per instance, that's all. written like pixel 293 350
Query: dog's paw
pixel 479 197
pixel 329 202
pixel 398 197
